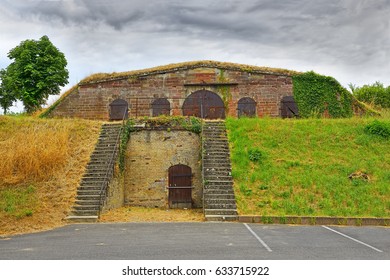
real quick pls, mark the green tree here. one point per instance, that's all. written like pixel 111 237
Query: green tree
pixel 376 94
pixel 38 70
pixel 7 98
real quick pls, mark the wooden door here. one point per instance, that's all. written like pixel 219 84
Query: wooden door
pixel 119 109
pixel 161 106
pixel 246 107
pixel 180 186
pixel 204 104
pixel 289 108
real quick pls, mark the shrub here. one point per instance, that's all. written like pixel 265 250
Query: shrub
pixel 376 94
pixel 255 155
pixel 378 128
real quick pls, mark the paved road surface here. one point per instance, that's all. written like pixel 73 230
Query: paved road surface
pixel 199 241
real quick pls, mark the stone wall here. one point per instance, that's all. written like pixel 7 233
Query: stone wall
pixel 149 155
pixel 91 101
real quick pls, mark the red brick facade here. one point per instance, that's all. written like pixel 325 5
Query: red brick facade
pixel 91 100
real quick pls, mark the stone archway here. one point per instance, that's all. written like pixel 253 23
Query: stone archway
pixel 204 104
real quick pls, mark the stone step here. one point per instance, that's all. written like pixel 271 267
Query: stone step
pixel 224 149
pixel 216 160
pixel 86 207
pixel 98 169
pixel 84 212
pixel 219 156
pixel 106 152
pixel 98 162
pixel 88 202
pixel 90 187
pixel 92 182
pixel 214 164
pixel 218 200
pixel 216 178
pixel 92 174
pixel 220 206
pixel 220 211
pixel 218 168
pixel 92 177
pixel 82 219
pixel 217 173
pixel 219 188
pixel 88 196
pixel 218 191
pixel 214 151
pixel 105 148
pixel 215 142
pixel 209 182
pixel 212 196
pixel 221 218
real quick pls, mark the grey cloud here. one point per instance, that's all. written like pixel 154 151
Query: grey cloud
pixel 335 32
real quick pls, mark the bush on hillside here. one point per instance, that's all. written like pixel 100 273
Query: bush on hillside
pixel 378 128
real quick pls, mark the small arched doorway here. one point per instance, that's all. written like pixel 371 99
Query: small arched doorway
pixel 161 106
pixel 180 186
pixel 204 104
pixel 246 107
pixel 119 109
pixel 288 107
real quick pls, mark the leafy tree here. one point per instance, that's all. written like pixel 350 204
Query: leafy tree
pixel 38 70
pixel 376 94
pixel 7 98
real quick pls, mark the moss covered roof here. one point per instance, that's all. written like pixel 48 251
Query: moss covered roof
pixel 101 77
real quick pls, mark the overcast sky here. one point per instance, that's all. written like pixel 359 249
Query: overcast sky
pixel 346 39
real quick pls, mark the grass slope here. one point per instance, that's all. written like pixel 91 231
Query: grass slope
pixel 42 161
pixel 301 167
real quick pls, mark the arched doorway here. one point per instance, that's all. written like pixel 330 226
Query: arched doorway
pixel 204 104
pixel 119 109
pixel 288 107
pixel 161 106
pixel 246 107
pixel 180 186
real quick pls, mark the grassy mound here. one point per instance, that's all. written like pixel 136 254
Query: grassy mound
pixel 318 167
pixel 41 164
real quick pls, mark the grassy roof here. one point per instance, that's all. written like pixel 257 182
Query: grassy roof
pixel 101 77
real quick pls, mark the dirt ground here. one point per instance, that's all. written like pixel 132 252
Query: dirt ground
pixel 140 214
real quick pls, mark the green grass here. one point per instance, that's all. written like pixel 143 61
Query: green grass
pixel 18 202
pixel 301 167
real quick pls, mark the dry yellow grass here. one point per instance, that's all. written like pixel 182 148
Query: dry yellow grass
pixel 186 65
pixel 141 214
pixel 47 157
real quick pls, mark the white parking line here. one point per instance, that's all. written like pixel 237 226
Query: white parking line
pixel 358 241
pixel 258 238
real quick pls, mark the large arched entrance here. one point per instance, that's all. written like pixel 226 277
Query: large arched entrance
pixel 204 104
pixel 119 109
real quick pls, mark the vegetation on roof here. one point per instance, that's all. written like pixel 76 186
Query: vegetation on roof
pixel 100 77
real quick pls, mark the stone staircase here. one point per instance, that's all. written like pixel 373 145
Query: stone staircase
pixel 97 176
pixel 218 194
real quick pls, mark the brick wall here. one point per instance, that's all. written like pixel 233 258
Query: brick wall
pixel 149 155
pixel 91 101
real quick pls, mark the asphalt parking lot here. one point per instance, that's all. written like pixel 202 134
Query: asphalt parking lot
pixel 184 241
